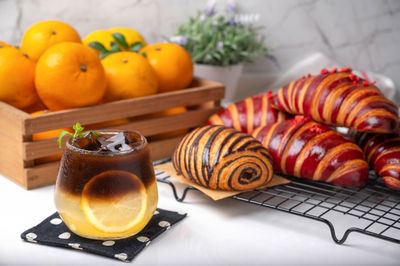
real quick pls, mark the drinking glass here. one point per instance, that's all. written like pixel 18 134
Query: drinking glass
pixel 106 187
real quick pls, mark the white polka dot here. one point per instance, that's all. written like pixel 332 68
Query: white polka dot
pixel 75 245
pixel 121 256
pixel 181 213
pixel 30 237
pixel 108 243
pixel 164 224
pixel 65 235
pixel 156 212
pixel 56 221
pixel 143 239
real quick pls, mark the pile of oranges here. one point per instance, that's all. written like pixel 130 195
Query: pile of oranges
pixel 55 69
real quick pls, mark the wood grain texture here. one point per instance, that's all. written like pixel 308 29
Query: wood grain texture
pixel 147 127
pixel 207 91
pixel 339 99
pixel 303 148
pixel 11 138
pixel 248 114
pixel 11 162
pixel 223 158
pixel 383 155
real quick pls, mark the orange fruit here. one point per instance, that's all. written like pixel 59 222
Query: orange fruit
pixel 129 75
pixel 17 78
pixel 101 36
pixel 172 111
pixel 35 107
pixel 131 36
pixel 4 44
pixel 40 36
pixel 70 75
pixel 47 135
pixel 105 37
pixel 172 64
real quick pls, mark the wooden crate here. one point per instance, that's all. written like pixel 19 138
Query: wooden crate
pixel 19 154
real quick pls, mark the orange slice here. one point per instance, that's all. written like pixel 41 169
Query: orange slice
pixel 114 201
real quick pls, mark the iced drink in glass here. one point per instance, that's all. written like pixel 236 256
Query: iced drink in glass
pixel 106 187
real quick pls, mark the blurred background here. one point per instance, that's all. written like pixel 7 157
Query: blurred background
pixel 362 34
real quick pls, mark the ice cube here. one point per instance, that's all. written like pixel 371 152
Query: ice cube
pixel 131 138
pixel 87 142
pixel 118 143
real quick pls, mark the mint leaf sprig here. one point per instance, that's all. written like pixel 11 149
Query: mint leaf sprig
pixel 78 133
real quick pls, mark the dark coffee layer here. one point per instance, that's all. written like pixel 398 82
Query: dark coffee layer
pixel 111 184
pixel 77 169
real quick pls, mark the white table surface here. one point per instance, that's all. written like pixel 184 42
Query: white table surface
pixel 227 232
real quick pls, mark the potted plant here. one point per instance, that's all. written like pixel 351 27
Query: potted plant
pixel 220 43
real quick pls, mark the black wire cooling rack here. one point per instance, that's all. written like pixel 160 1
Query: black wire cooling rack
pixel 374 209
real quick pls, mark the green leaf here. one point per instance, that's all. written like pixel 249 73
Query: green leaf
pixel 120 39
pixel 98 46
pixel 78 128
pixel 143 54
pixel 136 46
pixel 78 133
pixel 62 134
pixel 104 54
pixel 114 47
pixel 241 42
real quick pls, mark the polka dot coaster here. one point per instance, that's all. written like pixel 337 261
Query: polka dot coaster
pixel 53 232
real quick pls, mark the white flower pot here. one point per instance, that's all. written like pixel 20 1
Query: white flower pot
pixel 229 76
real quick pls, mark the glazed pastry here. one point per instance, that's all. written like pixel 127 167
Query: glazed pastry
pixel 249 113
pixel 339 99
pixel 223 158
pixel 383 155
pixel 303 148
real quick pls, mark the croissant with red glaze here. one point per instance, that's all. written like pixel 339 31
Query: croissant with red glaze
pixel 249 113
pixel 383 154
pixel 339 99
pixel 303 148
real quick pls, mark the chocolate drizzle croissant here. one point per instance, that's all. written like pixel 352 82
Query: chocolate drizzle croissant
pixel 383 154
pixel 223 158
pixel 339 99
pixel 248 114
pixel 303 148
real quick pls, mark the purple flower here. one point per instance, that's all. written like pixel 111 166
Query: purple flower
pixel 179 39
pixel 232 5
pixel 210 8
pixel 233 20
pixel 220 45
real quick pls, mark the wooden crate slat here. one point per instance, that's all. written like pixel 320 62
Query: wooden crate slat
pixel 11 162
pixel 41 175
pixel 125 108
pixel 11 121
pixel 163 148
pixel 147 127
